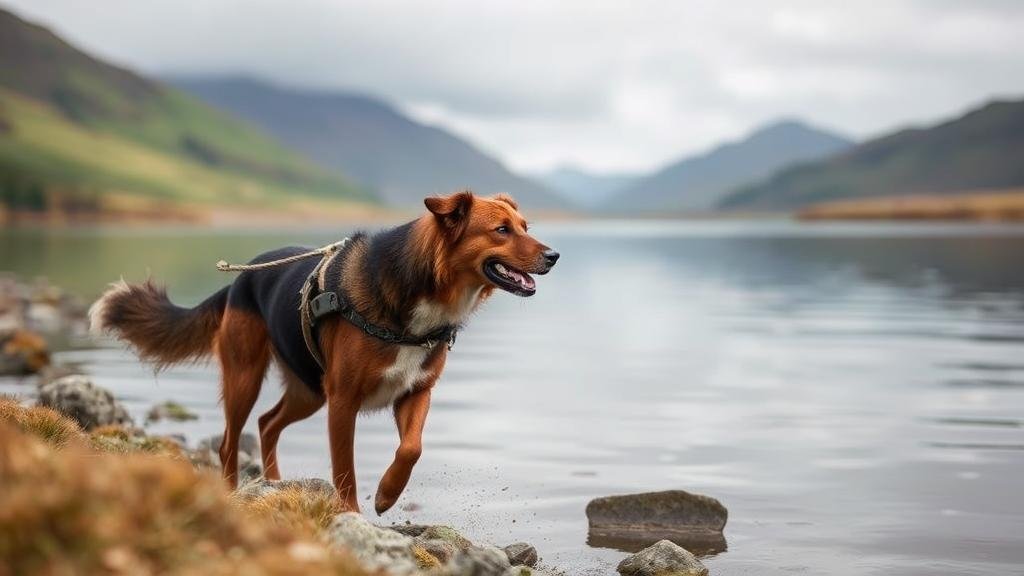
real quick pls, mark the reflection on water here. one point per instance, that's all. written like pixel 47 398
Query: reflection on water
pixel 702 545
pixel 852 393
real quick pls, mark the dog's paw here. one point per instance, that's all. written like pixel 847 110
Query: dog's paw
pixel 383 503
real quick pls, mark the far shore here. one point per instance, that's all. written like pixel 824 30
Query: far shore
pixel 995 206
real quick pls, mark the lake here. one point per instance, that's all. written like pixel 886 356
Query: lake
pixel 853 393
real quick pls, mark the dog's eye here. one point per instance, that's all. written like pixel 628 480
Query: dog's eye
pixel 501 229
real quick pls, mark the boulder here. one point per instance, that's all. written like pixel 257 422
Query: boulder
pixel 375 548
pixel 521 554
pixel 677 515
pixel 89 405
pixel 662 559
pixel 22 352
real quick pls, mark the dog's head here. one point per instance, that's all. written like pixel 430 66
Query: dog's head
pixel 488 237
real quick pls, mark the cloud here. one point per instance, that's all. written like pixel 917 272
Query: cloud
pixel 608 85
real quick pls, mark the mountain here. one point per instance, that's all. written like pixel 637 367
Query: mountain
pixel 369 140
pixel 698 183
pixel 583 188
pixel 981 150
pixel 81 134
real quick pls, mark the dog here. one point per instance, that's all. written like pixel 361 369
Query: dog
pixel 413 280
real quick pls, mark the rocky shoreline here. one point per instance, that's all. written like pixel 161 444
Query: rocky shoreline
pixel 69 409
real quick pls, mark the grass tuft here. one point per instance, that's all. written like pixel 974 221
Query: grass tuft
pixel 44 423
pixel 306 512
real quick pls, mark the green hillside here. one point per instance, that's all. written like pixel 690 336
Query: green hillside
pixel 978 152
pixel 91 135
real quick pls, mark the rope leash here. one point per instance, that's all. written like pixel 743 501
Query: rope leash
pixel 223 266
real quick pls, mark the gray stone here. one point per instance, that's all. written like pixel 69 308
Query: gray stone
pixel 662 559
pixel 521 554
pixel 375 548
pixel 207 455
pixel 260 487
pixel 247 443
pixel 674 514
pixel 78 398
pixel 480 561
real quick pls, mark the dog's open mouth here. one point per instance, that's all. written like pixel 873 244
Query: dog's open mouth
pixel 509 279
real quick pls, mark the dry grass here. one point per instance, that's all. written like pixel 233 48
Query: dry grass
pixel 300 511
pixel 998 206
pixel 72 510
pixel 46 424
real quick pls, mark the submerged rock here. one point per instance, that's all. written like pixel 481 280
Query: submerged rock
pixel 22 352
pixel 89 405
pixel 662 559
pixel 521 554
pixel 676 515
pixel 170 410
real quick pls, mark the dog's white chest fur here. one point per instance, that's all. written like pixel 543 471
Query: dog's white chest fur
pixel 407 370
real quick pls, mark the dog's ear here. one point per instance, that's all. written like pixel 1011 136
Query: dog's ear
pixel 451 212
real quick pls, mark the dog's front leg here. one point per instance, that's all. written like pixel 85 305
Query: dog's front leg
pixel 341 423
pixel 410 416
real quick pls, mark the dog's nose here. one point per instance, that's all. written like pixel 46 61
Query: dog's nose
pixel 550 257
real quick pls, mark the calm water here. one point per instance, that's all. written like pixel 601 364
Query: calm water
pixel 854 394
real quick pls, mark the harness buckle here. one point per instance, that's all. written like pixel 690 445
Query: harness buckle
pixel 323 304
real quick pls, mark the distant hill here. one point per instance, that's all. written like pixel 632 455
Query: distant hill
pixel 583 188
pixel 698 183
pixel 81 133
pixel 369 140
pixel 982 150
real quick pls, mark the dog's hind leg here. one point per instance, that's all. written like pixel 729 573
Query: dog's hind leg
pixel 244 351
pixel 410 416
pixel 298 403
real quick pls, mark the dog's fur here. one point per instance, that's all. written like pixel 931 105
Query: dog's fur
pixel 428 273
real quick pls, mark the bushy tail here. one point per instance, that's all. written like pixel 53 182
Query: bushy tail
pixel 162 333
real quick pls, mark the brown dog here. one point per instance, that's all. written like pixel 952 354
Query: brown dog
pixel 400 287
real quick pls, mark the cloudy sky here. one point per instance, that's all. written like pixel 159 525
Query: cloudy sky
pixel 604 85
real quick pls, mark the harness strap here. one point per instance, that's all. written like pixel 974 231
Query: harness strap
pixel 325 302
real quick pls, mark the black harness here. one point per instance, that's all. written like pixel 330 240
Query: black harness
pixel 318 302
